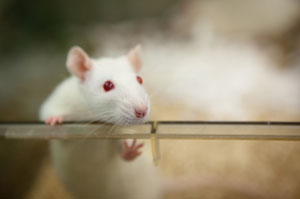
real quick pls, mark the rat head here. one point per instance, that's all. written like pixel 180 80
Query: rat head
pixel 111 86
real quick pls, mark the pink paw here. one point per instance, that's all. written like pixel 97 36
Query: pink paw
pixel 54 120
pixel 131 152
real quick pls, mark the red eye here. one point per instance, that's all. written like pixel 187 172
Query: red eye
pixel 108 85
pixel 139 79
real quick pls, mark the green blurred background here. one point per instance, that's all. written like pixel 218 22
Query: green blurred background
pixel 32 22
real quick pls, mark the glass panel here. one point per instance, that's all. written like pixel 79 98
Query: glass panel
pixel 72 131
pixel 164 130
pixel 229 130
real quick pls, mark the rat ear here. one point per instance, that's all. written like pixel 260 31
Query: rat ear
pixel 78 62
pixel 134 57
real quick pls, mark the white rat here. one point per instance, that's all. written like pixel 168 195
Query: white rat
pixel 107 90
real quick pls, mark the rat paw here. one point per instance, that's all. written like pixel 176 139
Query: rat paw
pixel 131 152
pixel 54 120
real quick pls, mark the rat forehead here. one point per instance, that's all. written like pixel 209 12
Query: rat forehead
pixel 117 70
pixel 112 65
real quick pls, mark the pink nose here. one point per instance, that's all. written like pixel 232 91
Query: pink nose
pixel 140 112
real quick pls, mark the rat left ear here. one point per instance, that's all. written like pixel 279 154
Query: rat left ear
pixel 78 62
pixel 134 57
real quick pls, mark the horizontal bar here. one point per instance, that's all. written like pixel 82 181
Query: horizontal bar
pixel 170 122
pixel 208 130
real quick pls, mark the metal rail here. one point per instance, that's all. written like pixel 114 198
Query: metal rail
pixel 210 130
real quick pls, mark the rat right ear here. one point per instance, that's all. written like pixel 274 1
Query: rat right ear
pixel 78 62
pixel 134 57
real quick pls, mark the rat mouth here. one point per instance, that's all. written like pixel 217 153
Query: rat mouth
pixel 126 119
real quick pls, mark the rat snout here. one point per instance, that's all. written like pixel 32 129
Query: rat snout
pixel 141 112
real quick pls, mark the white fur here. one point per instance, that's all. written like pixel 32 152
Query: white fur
pixel 127 95
pixel 94 168
pixel 86 100
pixel 66 101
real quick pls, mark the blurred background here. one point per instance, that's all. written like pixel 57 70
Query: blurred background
pixel 203 60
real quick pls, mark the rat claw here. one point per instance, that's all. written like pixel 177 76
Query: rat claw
pixel 131 152
pixel 52 121
pixel 47 121
pixel 140 146
pixel 125 144
pixel 133 143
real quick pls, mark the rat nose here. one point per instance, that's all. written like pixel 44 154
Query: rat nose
pixel 140 112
